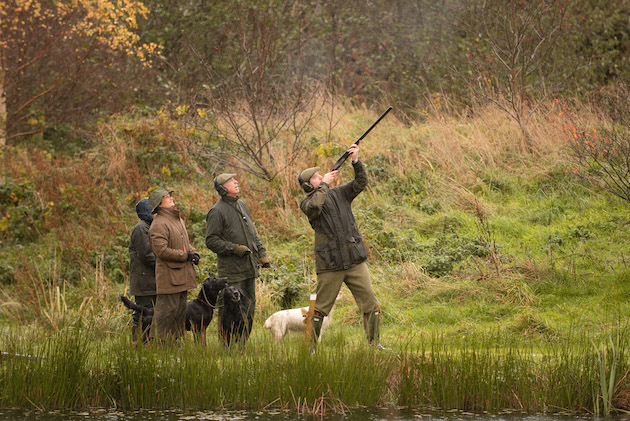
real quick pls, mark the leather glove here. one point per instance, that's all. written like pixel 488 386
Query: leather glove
pixel 264 261
pixel 241 251
pixel 195 258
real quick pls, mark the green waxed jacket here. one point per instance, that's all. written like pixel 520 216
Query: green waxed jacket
pixel 338 242
pixel 229 224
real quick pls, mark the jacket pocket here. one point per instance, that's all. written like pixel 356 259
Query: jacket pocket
pixel 175 265
pixel 356 248
pixel 177 272
pixel 327 256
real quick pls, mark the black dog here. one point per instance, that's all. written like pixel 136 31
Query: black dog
pixel 198 311
pixel 235 321
pixel 146 316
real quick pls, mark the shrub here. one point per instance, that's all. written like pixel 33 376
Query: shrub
pixel 23 215
pixel 287 282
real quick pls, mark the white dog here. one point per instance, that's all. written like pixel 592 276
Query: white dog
pixel 281 322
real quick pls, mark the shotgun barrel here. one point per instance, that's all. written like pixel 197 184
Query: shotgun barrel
pixel 346 154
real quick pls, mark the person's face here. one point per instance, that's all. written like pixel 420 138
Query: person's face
pixel 167 201
pixel 316 180
pixel 232 187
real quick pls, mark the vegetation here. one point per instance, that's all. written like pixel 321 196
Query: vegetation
pixel 496 216
pixel 480 252
pixel 484 373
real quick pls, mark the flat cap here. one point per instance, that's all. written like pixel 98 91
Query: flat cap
pixel 306 175
pixel 222 178
pixel 155 198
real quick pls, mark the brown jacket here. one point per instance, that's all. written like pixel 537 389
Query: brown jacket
pixel 169 242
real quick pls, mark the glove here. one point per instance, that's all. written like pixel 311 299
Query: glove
pixel 264 261
pixel 192 257
pixel 241 251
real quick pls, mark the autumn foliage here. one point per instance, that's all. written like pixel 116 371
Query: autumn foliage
pixel 601 153
pixel 58 59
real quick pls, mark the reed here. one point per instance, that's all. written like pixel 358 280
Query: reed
pixel 486 372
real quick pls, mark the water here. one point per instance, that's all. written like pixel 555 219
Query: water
pixel 384 414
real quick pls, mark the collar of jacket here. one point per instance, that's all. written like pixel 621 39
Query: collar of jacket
pixel 311 194
pixel 170 212
pixel 230 199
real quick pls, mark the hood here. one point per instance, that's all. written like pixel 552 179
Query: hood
pixel 144 209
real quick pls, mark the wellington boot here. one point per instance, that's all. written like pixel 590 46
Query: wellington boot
pixel 371 324
pixel 317 329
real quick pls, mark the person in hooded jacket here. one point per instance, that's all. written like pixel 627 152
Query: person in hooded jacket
pixel 174 270
pixel 141 264
pixel 231 234
pixel 340 254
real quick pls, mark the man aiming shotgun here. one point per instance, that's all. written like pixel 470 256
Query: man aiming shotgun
pixel 340 255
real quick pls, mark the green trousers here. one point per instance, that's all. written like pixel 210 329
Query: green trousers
pixel 358 281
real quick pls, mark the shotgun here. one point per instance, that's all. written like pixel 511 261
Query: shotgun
pixel 346 154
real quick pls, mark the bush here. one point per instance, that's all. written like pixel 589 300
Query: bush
pixel 287 282
pixel 449 250
pixel 22 219
pixel 7 273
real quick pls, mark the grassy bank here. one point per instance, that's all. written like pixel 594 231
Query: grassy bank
pixel 482 254
pixel 74 369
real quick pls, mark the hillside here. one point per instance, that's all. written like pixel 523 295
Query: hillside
pixel 466 231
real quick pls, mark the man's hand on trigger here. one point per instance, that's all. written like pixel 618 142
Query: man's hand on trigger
pixel 328 178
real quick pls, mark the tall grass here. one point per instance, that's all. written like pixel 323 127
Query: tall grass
pixel 485 375
pixel 481 373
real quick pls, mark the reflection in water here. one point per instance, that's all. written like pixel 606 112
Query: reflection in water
pixel 384 414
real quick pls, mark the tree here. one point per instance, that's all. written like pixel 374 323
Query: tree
pixel 518 55
pixel 257 113
pixel 48 50
pixel 601 155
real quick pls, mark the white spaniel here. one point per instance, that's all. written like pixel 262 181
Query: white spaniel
pixel 281 322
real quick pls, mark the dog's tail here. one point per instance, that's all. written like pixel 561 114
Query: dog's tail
pixel 131 305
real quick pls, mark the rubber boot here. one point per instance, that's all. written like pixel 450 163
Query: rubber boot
pixel 318 320
pixel 371 324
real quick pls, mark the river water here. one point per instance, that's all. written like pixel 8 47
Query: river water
pixel 388 414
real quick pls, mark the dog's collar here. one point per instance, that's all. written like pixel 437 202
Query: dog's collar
pixel 205 300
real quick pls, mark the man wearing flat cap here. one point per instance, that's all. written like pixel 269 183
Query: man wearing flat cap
pixel 231 234
pixel 174 270
pixel 340 255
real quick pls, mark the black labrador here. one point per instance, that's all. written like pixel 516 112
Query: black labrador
pixel 199 311
pixel 235 319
